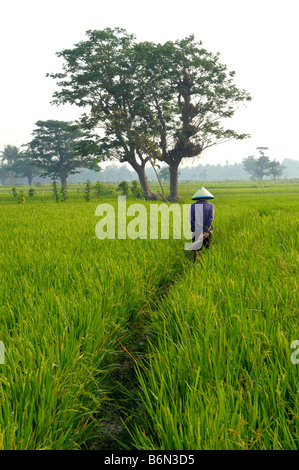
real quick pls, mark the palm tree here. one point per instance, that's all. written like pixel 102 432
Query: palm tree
pixel 3 174
pixel 9 157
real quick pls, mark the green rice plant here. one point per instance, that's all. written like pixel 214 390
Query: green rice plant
pixel 67 300
pixel 215 370
pixel 218 374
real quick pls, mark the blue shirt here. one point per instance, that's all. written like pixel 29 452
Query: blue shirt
pixel 208 216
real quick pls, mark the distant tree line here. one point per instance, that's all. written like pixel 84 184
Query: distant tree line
pixel 116 174
pixel 235 171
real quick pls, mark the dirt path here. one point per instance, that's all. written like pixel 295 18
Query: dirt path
pixel 123 412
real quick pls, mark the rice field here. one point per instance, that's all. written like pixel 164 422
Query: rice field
pixel 187 355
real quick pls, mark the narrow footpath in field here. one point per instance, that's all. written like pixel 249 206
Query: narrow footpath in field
pixel 125 409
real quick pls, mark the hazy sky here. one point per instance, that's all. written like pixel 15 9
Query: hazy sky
pixel 257 38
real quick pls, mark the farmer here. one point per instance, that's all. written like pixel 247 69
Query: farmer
pixel 201 218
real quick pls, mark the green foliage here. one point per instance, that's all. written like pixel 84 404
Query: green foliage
pixel 24 166
pixel 215 369
pixel 21 197
pixel 71 299
pixel 162 101
pixel 136 190
pixel 275 169
pixel 164 174
pixel 3 173
pixel 124 188
pixel 87 190
pixel 107 189
pixel 101 189
pixel 262 166
pixel 63 193
pixel 31 192
pixel 10 154
pixel 55 190
pixel 98 189
pixel 54 149
pixel 9 157
pixel 218 374
pixel 14 191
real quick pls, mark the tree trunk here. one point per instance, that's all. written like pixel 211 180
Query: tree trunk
pixel 159 179
pixel 140 170
pixel 63 181
pixel 173 170
pixel 30 178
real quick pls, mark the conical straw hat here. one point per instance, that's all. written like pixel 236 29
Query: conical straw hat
pixel 203 193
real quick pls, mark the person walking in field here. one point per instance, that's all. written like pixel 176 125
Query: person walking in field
pixel 201 219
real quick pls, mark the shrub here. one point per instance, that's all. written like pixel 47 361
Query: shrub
pixel 136 190
pixel 87 190
pixel 55 190
pixel 98 189
pixel 63 193
pixel 22 199
pixel 124 188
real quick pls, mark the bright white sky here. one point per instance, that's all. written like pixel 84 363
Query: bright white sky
pixel 256 38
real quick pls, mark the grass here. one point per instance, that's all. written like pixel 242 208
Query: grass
pixel 218 374
pixel 66 299
pixel 216 370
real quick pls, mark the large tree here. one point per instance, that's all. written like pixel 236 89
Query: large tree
pixel 275 169
pixel 192 95
pixel 15 163
pixel 250 166
pixel 257 167
pixel 262 166
pixel 154 102
pixel 25 167
pixel 100 74
pixel 56 148
pixel 9 157
pixel 3 173
pixel 164 174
